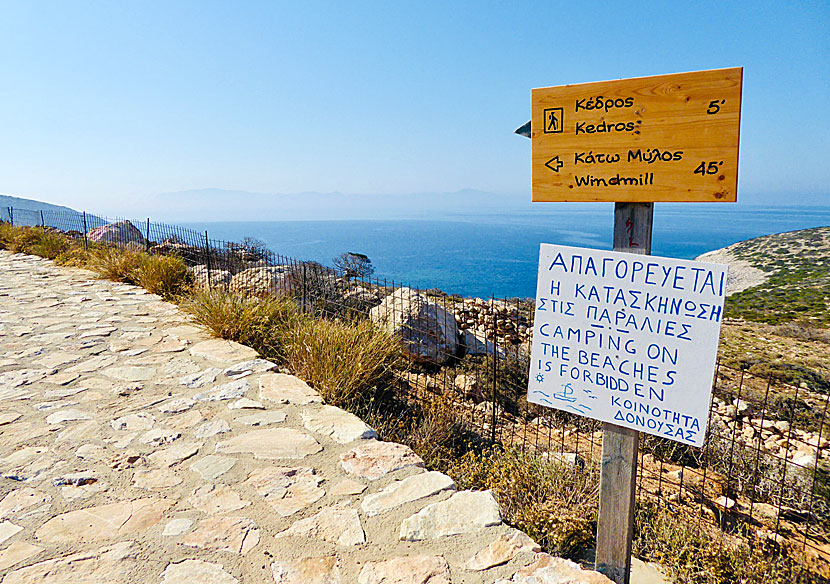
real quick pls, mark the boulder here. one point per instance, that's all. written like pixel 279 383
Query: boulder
pixel 191 254
pixel 262 281
pixel 218 278
pixel 429 332
pixel 121 232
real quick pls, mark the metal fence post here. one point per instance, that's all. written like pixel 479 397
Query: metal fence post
pixel 42 222
pixel 304 287
pixel 207 259
pixel 147 239
pixel 86 245
pixel 11 215
pixel 495 375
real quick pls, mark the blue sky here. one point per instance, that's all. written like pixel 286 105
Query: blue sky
pixel 106 104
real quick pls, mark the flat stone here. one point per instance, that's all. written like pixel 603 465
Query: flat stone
pixel 75 479
pixel 271 443
pixel 213 499
pixel 332 524
pixel 159 437
pixel 185 420
pixel 176 527
pixel 200 379
pixel 407 570
pixel 16 553
pixel 76 492
pixel 8 529
pixel 288 489
pixel 307 571
pixel 67 415
pixel 9 417
pixel 62 393
pixel 287 389
pixel 84 431
pixel 109 565
pixel 21 499
pixel 156 479
pixel 176 406
pixel 376 459
pixel 90 452
pixel 103 522
pixel 262 418
pixel 226 391
pixel 130 373
pixel 62 378
pixel 57 359
pixel 172 368
pixel 343 427
pixel 172 345
pixel 94 364
pixel 192 571
pixel 464 512
pixel 549 570
pixel 221 350
pixel 347 487
pixel 246 404
pixel 53 405
pixel 237 535
pixel 212 466
pixel 503 549
pixel 175 454
pixel 22 377
pixel 126 389
pixel 410 489
pixel 248 367
pixel 212 428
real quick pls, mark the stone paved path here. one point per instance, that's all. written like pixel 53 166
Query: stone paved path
pixel 135 448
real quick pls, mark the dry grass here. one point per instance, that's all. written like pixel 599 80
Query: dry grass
pixel 117 264
pixel 33 240
pixel 166 276
pixel 695 557
pixel 554 503
pixel 349 364
pixel 262 323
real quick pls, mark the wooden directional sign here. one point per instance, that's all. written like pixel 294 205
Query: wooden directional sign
pixel 663 138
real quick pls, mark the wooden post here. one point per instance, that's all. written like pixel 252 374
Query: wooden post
pixel 617 490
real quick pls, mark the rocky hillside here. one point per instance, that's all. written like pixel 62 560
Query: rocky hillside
pixel 780 278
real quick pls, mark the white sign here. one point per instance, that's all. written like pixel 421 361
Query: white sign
pixel 627 339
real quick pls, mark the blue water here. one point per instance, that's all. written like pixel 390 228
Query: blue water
pixel 488 254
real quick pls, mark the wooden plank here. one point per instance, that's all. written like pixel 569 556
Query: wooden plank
pixel 615 525
pixel 638 140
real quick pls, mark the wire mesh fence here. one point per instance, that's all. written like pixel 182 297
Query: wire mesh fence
pixel 762 476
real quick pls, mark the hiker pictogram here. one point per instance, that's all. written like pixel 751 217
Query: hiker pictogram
pixel 554 120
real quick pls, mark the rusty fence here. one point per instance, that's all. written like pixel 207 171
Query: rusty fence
pixel 762 477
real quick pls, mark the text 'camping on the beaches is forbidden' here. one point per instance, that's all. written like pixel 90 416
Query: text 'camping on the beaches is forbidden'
pixel 627 339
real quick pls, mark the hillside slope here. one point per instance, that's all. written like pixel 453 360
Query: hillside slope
pixel 31 205
pixel 781 278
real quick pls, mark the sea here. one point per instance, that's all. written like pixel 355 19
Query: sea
pixel 497 254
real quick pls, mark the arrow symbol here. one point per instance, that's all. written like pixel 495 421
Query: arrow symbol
pixel 554 164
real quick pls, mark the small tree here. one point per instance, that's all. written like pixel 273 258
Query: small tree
pixel 354 265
